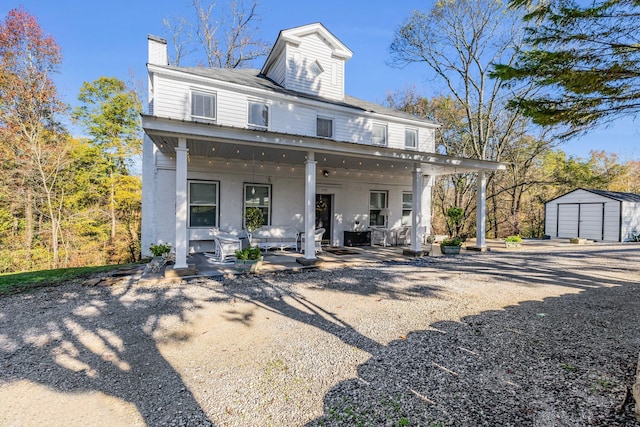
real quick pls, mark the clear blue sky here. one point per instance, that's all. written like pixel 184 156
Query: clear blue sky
pixel 109 38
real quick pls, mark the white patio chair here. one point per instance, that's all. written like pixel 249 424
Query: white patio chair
pixel 317 237
pixel 226 246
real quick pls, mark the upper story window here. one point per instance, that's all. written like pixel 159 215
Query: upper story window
pixel 259 114
pixel 411 138
pixel 379 134
pixel 203 105
pixel 324 127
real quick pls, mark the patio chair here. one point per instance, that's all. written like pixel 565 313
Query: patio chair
pixel 226 246
pixel 402 235
pixel 317 237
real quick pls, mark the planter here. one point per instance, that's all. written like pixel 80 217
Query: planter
pixel 450 250
pixel 578 241
pixel 251 265
pixel 512 244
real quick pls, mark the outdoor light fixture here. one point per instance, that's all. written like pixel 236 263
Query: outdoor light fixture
pixel 325 173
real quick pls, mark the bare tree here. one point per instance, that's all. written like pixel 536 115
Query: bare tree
pixel 459 41
pixel 224 35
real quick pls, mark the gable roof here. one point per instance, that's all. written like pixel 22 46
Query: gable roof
pixel 615 195
pixel 254 79
pixel 294 36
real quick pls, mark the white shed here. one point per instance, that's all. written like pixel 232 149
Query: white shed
pixel 594 214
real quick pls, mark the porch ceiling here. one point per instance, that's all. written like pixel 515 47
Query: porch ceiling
pixel 224 143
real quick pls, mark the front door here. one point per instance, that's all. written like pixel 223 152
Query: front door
pixel 323 215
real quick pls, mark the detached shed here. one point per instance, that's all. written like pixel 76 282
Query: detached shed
pixel 594 214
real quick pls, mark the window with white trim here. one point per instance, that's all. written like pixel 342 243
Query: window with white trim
pixel 324 127
pixel 377 202
pixel 411 138
pixel 258 114
pixel 258 196
pixel 203 105
pixel 203 204
pixel 407 207
pixel 379 134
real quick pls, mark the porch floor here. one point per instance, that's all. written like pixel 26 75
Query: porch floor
pixel 334 257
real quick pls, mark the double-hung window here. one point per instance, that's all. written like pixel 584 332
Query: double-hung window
pixel 379 134
pixel 324 127
pixel 258 114
pixel 203 105
pixel 411 138
pixel 377 202
pixel 258 196
pixel 203 204
pixel 407 208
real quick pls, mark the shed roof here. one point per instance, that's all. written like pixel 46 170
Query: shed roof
pixel 614 195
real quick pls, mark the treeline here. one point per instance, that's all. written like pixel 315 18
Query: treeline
pixel 64 201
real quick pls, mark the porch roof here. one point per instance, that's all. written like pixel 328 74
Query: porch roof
pixel 230 143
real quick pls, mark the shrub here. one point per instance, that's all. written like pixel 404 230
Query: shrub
pixel 455 241
pixel 251 253
pixel 513 239
pixel 253 219
pixel 160 249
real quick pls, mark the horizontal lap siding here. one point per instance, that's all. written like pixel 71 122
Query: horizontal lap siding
pixel 300 79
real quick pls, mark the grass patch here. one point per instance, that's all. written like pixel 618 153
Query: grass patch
pixel 13 283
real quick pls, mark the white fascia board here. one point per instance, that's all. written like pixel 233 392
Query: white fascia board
pixel 172 127
pixel 263 93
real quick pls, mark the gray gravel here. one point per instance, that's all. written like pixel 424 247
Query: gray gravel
pixel 522 339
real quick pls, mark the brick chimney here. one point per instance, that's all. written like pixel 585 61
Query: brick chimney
pixel 157 50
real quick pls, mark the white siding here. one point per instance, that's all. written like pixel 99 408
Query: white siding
pixel 351 198
pixel 630 220
pixel 278 73
pixel 300 78
pixel 172 99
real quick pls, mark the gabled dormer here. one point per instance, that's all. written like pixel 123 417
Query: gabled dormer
pixel 308 59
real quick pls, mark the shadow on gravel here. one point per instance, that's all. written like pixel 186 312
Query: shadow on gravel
pixel 564 361
pixel 105 345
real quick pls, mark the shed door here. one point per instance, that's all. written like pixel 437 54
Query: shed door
pixel 584 220
pixel 568 220
pixel 591 221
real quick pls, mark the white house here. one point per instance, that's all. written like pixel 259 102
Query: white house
pixel 594 214
pixel 288 140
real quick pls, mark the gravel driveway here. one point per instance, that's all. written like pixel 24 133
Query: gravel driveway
pixel 522 339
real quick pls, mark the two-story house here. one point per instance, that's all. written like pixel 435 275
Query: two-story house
pixel 288 140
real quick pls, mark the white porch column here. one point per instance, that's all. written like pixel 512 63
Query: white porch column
pixel 310 207
pixel 427 184
pixel 416 212
pixel 481 212
pixel 181 204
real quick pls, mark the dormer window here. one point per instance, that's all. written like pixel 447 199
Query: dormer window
pixel 203 105
pixel 316 69
pixel 258 114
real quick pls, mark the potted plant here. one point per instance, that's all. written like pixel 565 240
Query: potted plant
pixel 249 259
pixel 451 246
pixel 513 241
pixel 253 219
pixel 160 250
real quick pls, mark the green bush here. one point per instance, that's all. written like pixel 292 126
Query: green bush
pixel 251 253
pixel 253 219
pixel 455 241
pixel 160 249
pixel 513 239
